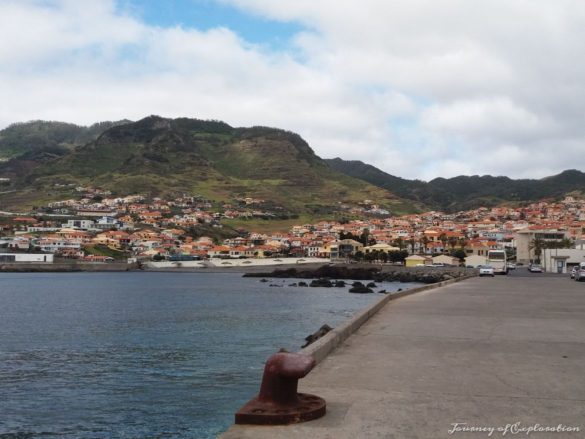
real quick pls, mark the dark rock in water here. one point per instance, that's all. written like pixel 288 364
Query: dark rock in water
pixel 303 284
pixel 292 285
pixel 399 289
pixel 357 284
pixel 339 284
pixel 361 289
pixel 371 285
pixel 325 271
pixel 275 285
pixel 317 335
pixel 263 280
pixel 321 283
pixel 382 292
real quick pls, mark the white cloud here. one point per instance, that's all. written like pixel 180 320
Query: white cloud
pixel 496 118
pixel 419 88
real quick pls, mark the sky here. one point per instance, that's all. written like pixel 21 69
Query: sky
pixel 418 88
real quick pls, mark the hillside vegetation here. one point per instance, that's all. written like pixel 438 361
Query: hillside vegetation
pixel 465 192
pixel 169 157
pixel 55 138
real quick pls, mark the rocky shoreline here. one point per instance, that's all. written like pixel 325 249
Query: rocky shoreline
pixel 426 275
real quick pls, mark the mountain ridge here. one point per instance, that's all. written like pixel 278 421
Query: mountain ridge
pixel 164 156
pixel 466 192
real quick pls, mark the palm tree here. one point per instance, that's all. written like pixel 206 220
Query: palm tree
pixel 412 242
pixel 537 244
pixel 425 242
pixel 443 238
pixel 463 242
pixel 562 243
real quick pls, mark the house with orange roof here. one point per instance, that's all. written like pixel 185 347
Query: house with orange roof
pixel 24 219
pixel 219 251
pixel 242 252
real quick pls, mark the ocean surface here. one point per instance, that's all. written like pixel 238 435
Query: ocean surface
pixel 146 355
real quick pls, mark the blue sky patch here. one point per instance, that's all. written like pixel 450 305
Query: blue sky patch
pixel 208 14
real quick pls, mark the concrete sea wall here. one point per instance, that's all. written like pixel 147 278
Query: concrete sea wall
pixel 66 267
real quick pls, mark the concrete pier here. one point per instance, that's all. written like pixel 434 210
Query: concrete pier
pixel 504 353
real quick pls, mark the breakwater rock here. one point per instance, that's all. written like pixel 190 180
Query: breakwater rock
pixel 427 275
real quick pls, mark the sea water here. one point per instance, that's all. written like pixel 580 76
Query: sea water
pixel 147 355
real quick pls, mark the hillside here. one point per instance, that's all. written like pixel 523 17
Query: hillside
pixel 465 192
pixel 176 156
pixel 55 138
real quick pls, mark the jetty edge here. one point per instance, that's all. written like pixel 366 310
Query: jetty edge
pixel 322 347
pixel 503 353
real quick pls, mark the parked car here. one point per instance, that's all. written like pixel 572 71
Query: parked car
pixel 486 270
pixel 511 266
pixel 580 274
pixel 535 268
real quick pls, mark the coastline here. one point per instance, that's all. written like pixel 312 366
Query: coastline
pixel 267 268
pixel 66 267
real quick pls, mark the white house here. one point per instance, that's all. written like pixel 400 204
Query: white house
pixel 78 224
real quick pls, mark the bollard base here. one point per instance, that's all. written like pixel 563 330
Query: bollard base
pixel 257 412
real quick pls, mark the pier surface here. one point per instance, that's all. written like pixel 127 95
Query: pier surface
pixel 503 353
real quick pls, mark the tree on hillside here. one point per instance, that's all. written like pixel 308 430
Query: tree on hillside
pixel 459 254
pixel 399 242
pixel 366 239
pixel 348 235
pixel 443 238
pixel 397 256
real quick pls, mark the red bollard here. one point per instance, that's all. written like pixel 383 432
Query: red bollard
pixel 278 402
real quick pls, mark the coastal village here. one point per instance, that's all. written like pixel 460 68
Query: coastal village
pixel 98 227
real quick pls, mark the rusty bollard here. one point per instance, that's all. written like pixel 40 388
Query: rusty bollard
pixel 278 402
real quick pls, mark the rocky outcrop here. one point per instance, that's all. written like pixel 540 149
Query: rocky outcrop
pixel 321 283
pixel 317 335
pixel 360 288
pixel 323 272
pixel 427 275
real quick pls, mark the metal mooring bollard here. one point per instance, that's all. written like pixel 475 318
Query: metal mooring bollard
pixel 278 402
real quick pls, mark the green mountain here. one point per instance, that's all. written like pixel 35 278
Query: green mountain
pixel 53 138
pixel 465 192
pixel 169 157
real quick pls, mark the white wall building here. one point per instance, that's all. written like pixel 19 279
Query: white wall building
pixel 79 224
pixel 54 245
pixel 525 237
pixel 26 257
pixel 561 260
